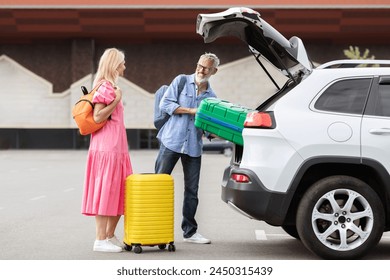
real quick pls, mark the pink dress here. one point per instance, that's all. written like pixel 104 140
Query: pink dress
pixel 108 162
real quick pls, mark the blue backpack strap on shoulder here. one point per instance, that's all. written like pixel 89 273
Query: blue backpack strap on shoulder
pixel 160 118
pixel 182 83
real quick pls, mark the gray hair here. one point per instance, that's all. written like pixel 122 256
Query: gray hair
pixel 212 57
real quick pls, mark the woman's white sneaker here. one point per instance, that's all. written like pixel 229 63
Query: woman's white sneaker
pixel 114 240
pixel 106 246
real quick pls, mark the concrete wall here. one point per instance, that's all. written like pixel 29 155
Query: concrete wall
pixel 28 101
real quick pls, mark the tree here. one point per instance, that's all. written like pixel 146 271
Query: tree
pixel 354 53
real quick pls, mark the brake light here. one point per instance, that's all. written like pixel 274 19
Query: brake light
pixel 259 119
pixel 240 178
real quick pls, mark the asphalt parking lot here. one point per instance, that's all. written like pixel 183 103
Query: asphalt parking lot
pixel 40 208
pixel 40 201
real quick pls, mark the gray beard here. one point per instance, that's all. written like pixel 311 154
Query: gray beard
pixel 201 81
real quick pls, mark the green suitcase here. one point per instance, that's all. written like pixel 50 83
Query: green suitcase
pixel 222 118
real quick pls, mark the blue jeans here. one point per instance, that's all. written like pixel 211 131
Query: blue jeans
pixel 166 161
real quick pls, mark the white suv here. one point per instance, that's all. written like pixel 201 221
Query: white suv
pixel 316 154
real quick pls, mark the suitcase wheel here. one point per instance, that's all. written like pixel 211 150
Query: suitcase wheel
pixel 137 249
pixel 128 247
pixel 171 248
pixel 162 246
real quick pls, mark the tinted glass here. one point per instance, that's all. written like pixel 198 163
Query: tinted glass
pixel 348 96
pixel 382 107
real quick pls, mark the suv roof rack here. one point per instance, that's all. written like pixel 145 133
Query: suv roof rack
pixel 354 63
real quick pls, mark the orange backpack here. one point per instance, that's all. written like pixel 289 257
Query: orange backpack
pixel 82 113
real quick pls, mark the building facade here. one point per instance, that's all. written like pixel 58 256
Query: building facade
pixel 48 49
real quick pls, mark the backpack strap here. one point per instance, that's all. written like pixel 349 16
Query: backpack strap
pixel 182 83
pixel 96 88
pixel 98 85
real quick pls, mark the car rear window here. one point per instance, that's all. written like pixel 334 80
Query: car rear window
pixel 383 102
pixel 346 96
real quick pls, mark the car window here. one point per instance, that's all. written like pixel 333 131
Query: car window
pixel 347 96
pixel 382 106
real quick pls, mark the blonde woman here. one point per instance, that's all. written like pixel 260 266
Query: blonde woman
pixel 108 161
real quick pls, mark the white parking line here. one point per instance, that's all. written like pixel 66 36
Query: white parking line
pixel 278 235
pixel 38 197
pixel 260 235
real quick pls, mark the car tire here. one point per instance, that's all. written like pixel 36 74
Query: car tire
pixel 291 230
pixel 328 222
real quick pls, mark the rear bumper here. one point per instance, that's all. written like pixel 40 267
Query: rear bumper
pixel 253 199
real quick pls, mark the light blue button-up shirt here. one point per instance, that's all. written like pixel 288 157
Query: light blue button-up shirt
pixel 179 133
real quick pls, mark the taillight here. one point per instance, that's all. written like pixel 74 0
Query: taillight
pixel 240 178
pixel 259 119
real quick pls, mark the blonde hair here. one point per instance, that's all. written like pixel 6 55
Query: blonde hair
pixel 108 64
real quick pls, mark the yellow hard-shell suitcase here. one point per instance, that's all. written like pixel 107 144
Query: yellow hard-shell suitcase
pixel 149 212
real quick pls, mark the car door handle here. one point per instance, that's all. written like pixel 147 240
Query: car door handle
pixel 380 131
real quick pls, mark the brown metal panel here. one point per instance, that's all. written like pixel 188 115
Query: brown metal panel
pixel 166 24
pixel 205 3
